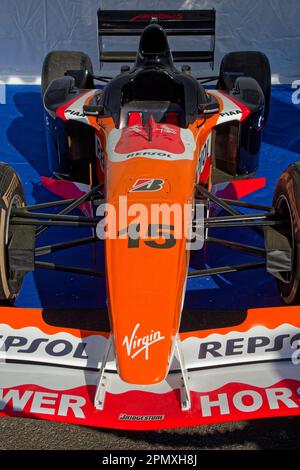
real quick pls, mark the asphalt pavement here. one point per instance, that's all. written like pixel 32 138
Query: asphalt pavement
pixel 27 434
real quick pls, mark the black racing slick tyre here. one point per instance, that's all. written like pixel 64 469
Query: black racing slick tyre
pixel 57 63
pixel 248 64
pixel 11 195
pixel 286 202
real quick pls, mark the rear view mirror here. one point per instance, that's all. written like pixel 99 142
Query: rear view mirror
pixel 209 108
pixel 83 78
pixel 93 110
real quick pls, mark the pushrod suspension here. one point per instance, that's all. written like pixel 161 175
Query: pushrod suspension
pixel 226 269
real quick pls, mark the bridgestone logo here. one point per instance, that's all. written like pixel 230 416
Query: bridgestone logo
pixel 124 417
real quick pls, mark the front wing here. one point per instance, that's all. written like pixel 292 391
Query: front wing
pixel 246 371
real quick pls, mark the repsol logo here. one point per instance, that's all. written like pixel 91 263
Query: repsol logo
pixel 149 154
pixel 231 113
pixel 244 346
pixel 54 348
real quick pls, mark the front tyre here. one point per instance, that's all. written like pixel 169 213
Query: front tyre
pixel 286 202
pixel 11 195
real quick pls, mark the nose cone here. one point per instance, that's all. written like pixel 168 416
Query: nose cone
pixel 146 274
pixel 145 339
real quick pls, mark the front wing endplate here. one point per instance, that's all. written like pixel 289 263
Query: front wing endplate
pixel 250 370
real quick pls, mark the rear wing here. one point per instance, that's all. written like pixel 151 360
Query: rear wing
pixel 175 23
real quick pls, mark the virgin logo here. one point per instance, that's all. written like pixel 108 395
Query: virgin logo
pixel 135 344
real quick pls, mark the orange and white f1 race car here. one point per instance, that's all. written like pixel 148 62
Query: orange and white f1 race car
pixel 155 162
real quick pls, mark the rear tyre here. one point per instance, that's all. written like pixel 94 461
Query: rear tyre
pixel 57 63
pixel 286 201
pixel 248 64
pixel 11 195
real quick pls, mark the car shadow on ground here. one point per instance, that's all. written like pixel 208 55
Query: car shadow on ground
pixel 265 434
pixel 27 132
pixel 283 127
